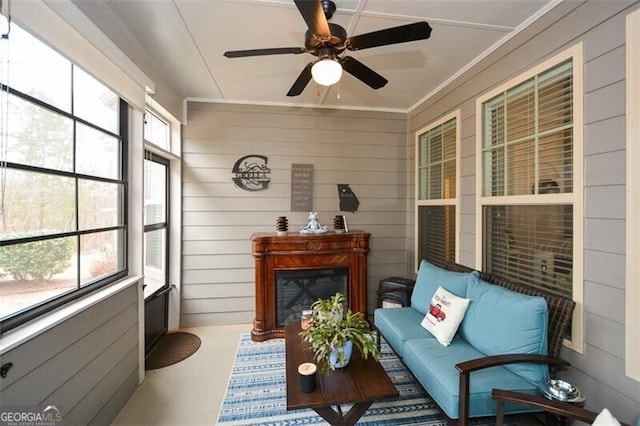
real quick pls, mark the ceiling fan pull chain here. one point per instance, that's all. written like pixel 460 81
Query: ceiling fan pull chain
pixel 318 90
pixel 338 97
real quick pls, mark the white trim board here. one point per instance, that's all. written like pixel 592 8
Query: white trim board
pixel 632 283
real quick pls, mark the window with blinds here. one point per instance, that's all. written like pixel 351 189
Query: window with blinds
pixel 528 136
pixel 437 162
pixel 436 196
pixel 527 162
pixel 531 244
pixel 437 232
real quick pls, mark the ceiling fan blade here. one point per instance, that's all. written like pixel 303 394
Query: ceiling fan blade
pixel 313 14
pixel 302 81
pixel 363 72
pixel 401 34
pixel 263 52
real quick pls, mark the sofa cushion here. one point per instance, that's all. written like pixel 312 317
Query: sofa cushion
pixel 398 325
pixel 500 321
pixel 434 367
pixel 446 312
pixel 430 277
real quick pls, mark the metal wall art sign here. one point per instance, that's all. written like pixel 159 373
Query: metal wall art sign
pixel 348 200
pixel 301 187
pixel 251 173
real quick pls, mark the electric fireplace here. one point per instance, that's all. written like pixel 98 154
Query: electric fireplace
pixel 297 289
pixel 293 271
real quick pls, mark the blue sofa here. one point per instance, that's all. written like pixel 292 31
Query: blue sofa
pixel 503 340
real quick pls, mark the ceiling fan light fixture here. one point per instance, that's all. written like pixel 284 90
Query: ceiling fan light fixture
pixel 326 72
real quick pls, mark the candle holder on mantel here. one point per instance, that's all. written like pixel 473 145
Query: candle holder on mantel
pixel 282 225
pixel 338 224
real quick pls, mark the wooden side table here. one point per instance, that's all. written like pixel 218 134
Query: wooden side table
pixel 563 409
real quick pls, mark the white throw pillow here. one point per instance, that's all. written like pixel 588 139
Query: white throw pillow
pixel 606 419
pixel 445 314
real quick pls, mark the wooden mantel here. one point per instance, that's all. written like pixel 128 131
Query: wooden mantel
pixel 301 252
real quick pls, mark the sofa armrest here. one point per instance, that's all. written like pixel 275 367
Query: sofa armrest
pixel 467 367
pixel 394 290
pixel 393 286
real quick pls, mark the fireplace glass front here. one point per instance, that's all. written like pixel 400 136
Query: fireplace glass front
pixel 297 289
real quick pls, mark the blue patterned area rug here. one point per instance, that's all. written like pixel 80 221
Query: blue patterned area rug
pixel 256 393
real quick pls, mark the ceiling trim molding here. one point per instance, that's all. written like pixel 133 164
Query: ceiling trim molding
pixel 294 105
pixel 438 21
pixel 78 20
pixel 123 29
pixel 548 7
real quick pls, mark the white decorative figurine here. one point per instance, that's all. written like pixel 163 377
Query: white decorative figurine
pixel 313 227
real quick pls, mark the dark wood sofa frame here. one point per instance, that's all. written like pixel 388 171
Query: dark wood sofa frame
pixel 560 314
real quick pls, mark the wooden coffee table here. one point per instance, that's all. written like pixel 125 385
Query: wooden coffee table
pixel 361 383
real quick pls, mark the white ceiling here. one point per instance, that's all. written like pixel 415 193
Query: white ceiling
pixel 186 39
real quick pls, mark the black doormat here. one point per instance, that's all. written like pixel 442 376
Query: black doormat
pixel 172 348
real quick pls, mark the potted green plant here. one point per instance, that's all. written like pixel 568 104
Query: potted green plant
pixel 334 330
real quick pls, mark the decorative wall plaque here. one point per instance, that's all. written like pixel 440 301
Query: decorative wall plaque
pixel 301 187
pixel 348 200
pixel 251 173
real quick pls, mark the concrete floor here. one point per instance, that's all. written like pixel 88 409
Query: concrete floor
pixel 191 392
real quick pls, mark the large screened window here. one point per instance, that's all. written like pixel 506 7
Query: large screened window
pixel 436 191
pixel 62 181
pixel 528 162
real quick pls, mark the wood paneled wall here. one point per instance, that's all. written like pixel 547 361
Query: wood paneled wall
pixel 599 372
pixel 87 366
pixel 366 150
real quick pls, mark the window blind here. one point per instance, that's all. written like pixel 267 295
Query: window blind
pixel 437 230
pixel 437 162
pixel 531 244
pixel 528 151
pixel 528 136
pixel 436 213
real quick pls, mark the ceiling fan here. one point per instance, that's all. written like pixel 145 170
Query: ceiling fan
pixel 328 41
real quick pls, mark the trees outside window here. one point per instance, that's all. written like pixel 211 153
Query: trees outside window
pixel 62 186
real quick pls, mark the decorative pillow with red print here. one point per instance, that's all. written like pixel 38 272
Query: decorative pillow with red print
pixel 445 314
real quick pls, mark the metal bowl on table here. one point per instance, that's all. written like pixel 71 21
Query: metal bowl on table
pixel 561 390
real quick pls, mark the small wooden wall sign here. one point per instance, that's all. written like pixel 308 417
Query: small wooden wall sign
pixel 301 187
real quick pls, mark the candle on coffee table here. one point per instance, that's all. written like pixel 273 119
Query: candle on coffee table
pixel 307 375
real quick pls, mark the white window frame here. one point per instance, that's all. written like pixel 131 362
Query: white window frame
pixel 576 198
pixel 150 114
pixel 632 296
pixel 442 201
